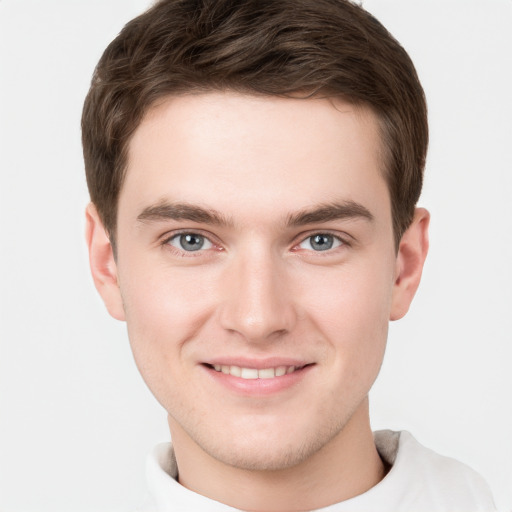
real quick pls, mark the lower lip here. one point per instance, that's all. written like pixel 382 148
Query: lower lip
pixel 258 387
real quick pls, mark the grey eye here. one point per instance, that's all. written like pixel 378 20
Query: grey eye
pixel 190 242
pixel 321 242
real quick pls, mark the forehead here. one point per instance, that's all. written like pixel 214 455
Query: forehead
pixel 238 150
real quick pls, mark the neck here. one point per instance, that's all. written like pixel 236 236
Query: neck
pixel 347 466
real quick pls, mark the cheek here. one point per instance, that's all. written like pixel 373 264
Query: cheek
pixel 354 297
pixel 157 296
pixel 163 310
pixel 351 309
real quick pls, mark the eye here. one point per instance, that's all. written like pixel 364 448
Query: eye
pixel 190 242
pixel 321 242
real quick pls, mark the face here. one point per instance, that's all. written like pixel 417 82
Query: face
pixel 256 270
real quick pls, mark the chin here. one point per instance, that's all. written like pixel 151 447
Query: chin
pixel 262 458
pixel 269 450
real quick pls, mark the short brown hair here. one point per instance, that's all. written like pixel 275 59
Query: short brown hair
pixel 270 47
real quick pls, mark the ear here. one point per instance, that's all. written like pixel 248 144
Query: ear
pixel 102 263
pixel 409 263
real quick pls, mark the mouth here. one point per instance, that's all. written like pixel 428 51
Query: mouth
pixel 255 373
pixel 252 377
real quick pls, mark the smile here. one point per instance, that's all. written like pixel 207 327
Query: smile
pixel 253 373
pixel 258 378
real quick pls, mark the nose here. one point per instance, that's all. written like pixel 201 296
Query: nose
pixel 258 303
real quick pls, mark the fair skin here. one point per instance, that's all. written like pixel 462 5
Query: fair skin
pixel 256 234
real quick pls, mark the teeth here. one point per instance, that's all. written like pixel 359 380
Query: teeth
pixel 280 371
pixel 253 373
pixel 235 371
pixel 248 373
pixel 267 373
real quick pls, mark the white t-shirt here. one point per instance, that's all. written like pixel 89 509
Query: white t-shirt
pixel 419 480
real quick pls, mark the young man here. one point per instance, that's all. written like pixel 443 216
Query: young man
pixel 254 168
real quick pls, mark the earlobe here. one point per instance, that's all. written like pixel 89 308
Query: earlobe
pixel 409 263
pixel 102 263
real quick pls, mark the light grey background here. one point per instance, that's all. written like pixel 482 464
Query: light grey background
pixel 76 419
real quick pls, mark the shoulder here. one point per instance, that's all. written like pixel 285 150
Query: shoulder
pixel 430 481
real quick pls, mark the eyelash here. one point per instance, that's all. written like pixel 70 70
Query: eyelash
pixel 181 252
pixel 187 254
pixel 343 242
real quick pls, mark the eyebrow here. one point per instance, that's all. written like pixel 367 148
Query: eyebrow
pixel 328 212
pixel 183 211
pixel 195 213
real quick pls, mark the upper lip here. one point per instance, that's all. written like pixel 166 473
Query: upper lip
pixel 258 364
